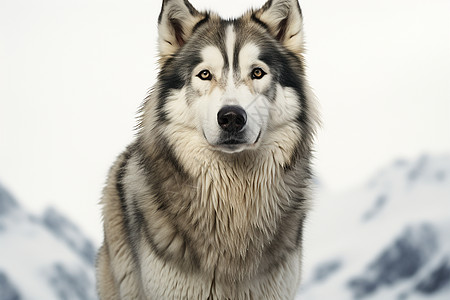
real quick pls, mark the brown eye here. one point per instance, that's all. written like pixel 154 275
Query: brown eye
pixel 204 75
pixel 258 73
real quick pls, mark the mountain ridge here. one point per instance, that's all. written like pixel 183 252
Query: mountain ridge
pixel 43 257
pixel 389 238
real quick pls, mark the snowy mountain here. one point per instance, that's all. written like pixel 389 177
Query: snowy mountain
pixel 388 239
pixel 43 257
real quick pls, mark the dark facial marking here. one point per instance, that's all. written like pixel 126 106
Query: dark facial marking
pixel 173 76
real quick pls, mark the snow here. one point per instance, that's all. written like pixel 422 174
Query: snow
pixel 37 262
pixel 409 200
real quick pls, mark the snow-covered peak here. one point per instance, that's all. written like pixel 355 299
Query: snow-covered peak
pixel 426 169
pixel 42 257
pixel 388 239
pixel 70 234
pixel 7 201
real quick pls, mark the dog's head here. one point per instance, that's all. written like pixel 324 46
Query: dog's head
pixel 232 85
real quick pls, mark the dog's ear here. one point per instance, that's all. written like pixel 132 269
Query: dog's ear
pixel 283 19
pixel 175 24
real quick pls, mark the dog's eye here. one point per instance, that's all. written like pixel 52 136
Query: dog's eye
pixel 258 73
pixel 204 75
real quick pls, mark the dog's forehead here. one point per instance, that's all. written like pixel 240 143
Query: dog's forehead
pixel 229 41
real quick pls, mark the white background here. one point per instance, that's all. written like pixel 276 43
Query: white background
pixel 73 74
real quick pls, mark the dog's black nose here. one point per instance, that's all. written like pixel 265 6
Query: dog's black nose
pixel 232 118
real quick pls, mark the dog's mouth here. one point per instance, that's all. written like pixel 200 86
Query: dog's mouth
pixel 237 140
pixel 235 144
pixel 232 142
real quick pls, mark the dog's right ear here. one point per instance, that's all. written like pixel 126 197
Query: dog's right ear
pixel 283 18
pixel 175 24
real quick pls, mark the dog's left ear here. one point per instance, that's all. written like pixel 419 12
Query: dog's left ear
pixel 175 24
pixel 284 20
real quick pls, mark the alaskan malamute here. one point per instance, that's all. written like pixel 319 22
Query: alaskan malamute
pixel 210 200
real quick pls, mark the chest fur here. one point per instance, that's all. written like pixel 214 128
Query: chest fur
pixel 230 224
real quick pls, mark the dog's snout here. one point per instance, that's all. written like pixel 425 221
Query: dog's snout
pixel 232 118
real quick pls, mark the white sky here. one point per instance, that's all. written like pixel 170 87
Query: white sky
pixel 73 73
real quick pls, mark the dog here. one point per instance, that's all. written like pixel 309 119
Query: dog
pixel 210 200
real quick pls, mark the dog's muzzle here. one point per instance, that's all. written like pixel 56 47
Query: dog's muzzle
pixel 234 133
